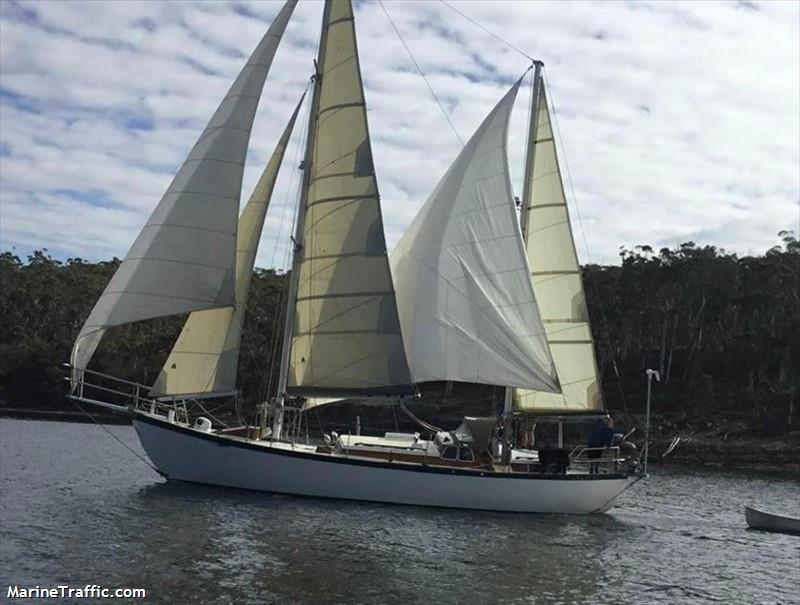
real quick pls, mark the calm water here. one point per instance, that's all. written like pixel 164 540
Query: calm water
pixel 77 508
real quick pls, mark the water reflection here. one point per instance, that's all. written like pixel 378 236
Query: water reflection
pixel 272 547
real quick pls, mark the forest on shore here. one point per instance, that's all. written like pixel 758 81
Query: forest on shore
pixel 723 331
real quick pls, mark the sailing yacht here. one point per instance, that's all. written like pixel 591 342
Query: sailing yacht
pixel 471 293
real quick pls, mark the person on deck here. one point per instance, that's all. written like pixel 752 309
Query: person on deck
pixel 601 436
pixel 496 445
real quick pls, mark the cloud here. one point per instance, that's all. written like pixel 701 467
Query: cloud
pixel 678 120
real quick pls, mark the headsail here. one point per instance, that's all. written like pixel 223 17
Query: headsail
pixel 184 258
pixel 557 281
pixel 346 334
pixel 466 301
pixel 206 355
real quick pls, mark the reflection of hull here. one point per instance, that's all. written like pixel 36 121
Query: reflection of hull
pixel 757 519
pixel 187 454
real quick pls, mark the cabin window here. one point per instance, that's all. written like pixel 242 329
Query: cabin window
pixel 449 453
pixel 465 454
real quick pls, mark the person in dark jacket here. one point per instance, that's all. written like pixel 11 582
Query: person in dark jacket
pixel 600 439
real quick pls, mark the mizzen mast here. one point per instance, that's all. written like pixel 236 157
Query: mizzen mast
pixel 533 126
pixel 555 273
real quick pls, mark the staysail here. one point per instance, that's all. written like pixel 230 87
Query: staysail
pixel 184 258
pixel 206 355
pixel 557 281
pixel 346 337
pixel 466 302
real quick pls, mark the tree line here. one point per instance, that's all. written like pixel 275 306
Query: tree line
pixel 722 330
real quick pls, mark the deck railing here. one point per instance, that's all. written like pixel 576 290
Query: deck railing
pixel 105 390
pixel 609 459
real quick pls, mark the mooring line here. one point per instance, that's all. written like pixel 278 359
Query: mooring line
pixel 120 441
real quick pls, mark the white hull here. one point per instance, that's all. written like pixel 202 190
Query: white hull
pixel 757 519
pixel 185 454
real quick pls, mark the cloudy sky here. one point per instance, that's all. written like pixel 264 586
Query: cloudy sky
pixel 679 120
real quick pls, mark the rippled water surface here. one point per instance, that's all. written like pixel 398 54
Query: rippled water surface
pixel 77 508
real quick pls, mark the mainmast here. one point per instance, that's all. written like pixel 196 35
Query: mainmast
pixel 297 259
pixel 527 188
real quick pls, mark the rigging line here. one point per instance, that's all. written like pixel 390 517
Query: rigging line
pixel 120 441
pixel 283 294
pixel 554 117
pixel 488 31
pixel 208 413
pixel 419 69
pixel 210 379
pixel 293 186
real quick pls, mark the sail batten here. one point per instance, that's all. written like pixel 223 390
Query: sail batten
pixel 557 281
pixel 466 302
pixel 345 336
pixel 184 258
pixel 205 357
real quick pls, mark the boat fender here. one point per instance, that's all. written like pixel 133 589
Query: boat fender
pixel 203 424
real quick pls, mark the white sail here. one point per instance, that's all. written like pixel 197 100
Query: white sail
pixel 557 281
pixel 184 258
pixel 465 298
pixel 346 339
pixel 205 357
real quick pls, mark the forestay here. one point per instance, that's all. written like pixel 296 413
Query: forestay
pixel 464 293
pixel 557 281
pixel 184 258
pixel 206 355
pixel 346 338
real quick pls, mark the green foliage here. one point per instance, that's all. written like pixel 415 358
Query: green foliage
pixel 723 331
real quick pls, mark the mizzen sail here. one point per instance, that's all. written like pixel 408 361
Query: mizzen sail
pixel 185 256
pixel 557 281
pixel 465 298
pixel 346 334
pixel 205 357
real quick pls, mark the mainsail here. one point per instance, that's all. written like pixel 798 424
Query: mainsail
pixel 206 355
pixel 465 298
pixel 557 281
pixel 184 258
pixel 346 334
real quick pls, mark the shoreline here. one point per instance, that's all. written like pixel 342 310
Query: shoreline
pixel 756 454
